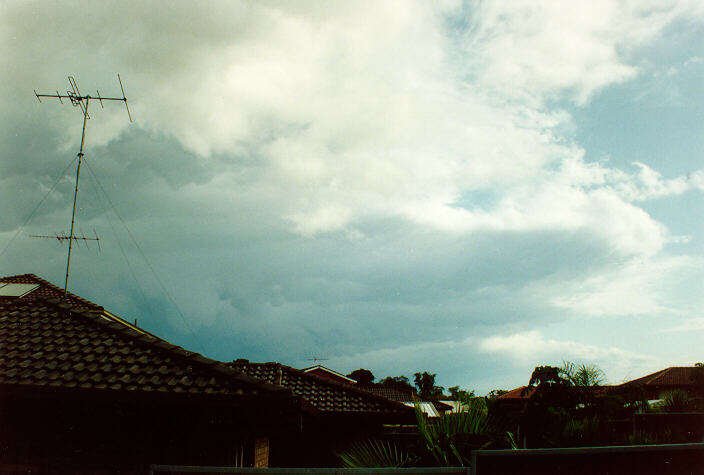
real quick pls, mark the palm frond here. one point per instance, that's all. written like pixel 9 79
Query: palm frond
pixel 374 453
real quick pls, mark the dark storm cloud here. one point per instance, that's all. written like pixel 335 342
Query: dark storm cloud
pixel 345 180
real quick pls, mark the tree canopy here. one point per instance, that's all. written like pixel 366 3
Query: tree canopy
pixel 362 376
pixel 399 382
pixel 425 382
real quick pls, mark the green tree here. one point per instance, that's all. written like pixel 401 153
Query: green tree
pixel 362 376
pixel 425 382
pixel 565 408
pixel 458 394
pixel 495 393
pixel 399 382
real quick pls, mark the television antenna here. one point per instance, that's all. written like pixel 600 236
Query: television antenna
pixel 77 99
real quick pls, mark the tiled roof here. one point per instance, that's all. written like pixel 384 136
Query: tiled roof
pixel 675 376
pixel 46 343
pixel 407 397
pixel 518 394
pixel 47 289
pixel 322 393
pixel 322 371
pixel 389 392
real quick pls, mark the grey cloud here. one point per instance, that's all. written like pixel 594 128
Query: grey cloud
pixel 250 116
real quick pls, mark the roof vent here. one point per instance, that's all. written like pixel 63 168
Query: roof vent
pixel 16 290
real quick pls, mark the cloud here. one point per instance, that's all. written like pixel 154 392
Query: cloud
pixel 344 120
pixel 688 325
pixel 349 178
pixel 634 287
pixel 530 349
pixel 545 50
pixel 650 184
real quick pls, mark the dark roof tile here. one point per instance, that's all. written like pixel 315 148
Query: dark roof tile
pixel 674 376
pixel 324 394
pixel 45 342
pixel 47 289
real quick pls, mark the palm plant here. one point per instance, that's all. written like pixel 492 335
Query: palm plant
pixel 582 375
pixel 450 438
pixel 674 401
pixel 446 440
pixel 375 453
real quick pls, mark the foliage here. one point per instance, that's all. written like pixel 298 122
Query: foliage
pixel 666 436
pixel 551 389
pixel 458 394
pixel 625 401
pixel 674 401
pixel 566 407
pixel 546 376
pixel 450 438
pixel 425 382
pixel 362 376
pixel 399 382
pixel 495 393
pixel 375 453
pixel 511 439
pixel 582 375
pixel 444 441
pixel 585 432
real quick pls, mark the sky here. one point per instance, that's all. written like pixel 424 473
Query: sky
pixel 471 189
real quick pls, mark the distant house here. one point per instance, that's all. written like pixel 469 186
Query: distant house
pixel 328 373
pixel 340 413
pixel 686 378
pixel 408 398
pixel 83 391
pixel 522 393
pixel 652 386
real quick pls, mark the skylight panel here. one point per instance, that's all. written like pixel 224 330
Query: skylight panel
pixel 16 290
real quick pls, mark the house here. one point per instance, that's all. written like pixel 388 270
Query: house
pixel 518 395
pixel 340 413
pixel 328 373
pixel 686 378
pixel 83 391
pixel 408 398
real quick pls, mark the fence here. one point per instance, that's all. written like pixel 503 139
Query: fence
pixel 184 470
pixel 670 459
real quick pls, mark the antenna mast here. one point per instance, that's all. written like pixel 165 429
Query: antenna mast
pixel 82 101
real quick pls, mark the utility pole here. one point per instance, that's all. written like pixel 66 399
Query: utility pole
pixel 79 100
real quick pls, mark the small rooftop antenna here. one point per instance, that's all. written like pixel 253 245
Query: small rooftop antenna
pixel 79 100
pixel 315 360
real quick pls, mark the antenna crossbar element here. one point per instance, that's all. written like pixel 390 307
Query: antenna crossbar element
pixel 82 101
pixel 78 100
pixel 63 237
